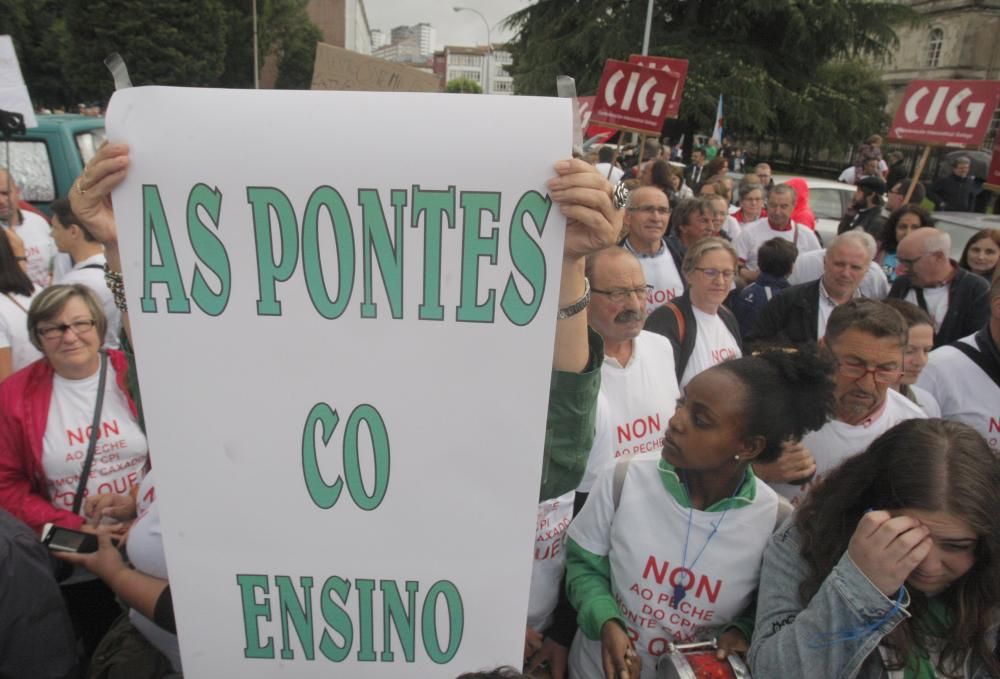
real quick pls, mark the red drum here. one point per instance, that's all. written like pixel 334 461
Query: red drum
pixel 698 661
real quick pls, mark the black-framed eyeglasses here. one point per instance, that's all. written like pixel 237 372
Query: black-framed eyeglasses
pixel 712 274
pixel 857 371
pixel 908 263
pixel 57 331
pixel 619 295
pixel 651 209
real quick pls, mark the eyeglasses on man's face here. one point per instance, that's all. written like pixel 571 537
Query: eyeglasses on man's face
pixel 651 210
pixel 857 371
pixel 619 295
pixel 908 263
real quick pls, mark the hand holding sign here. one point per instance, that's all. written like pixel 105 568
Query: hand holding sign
pixel 584 196
pixel 90 195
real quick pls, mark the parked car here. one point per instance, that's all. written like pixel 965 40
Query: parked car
pixel 961 226
pixel 47 159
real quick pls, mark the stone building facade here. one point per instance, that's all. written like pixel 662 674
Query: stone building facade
pixel 957 40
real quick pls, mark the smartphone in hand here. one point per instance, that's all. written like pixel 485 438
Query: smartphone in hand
pixel 59 539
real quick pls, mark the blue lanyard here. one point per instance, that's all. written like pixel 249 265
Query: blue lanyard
pixel 680 591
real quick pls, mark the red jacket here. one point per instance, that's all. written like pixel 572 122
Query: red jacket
pixel 24 412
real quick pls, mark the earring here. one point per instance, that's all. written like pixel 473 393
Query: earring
pixel 736 458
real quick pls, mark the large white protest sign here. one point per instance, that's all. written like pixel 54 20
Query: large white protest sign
pixel 13 92
pixel 343 307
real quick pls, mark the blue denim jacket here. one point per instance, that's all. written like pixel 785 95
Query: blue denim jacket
pixel 786 637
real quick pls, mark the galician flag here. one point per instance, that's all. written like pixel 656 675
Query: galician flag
pixel 717 131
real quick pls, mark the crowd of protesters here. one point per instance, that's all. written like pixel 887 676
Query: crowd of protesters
pixel 782 446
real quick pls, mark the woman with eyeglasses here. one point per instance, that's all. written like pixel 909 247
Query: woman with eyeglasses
pixel 751 203
pixel 891 566
pixel 52 420
pixel 702 331
pixel 16 293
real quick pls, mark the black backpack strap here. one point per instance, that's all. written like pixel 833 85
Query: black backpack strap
pixel 981 358
pixel 94 433
pixel 732 324
pixel 668 320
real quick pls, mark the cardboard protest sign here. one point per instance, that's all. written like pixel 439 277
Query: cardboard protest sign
pixel 954 113
pixel 338 69
pixel 13 92
pixel 632 97
pixel 591 131
pixel 670 65
pixel 344 353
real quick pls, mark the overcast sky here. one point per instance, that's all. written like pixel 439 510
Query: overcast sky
pixel 452 28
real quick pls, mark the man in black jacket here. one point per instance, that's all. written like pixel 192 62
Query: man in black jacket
pixel 956 299
pixel 36 637
pixel 865 210
pixel 798 314
pixel 694 175
pixel 956 192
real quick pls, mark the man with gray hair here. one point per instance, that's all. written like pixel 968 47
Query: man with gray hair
pixel 777 224
pixel 39 247
pixel 809 267
pixel 798 315
pixel 957 191
pixel 956 299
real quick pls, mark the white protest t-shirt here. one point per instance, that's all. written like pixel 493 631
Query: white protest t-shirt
pixel 85 273
pixel 836 441
pixel 963 391
pixel 602 452
pixel 145 551
pixel 937 302
pixel 121 446
pixel 14 329
pixel 925 400
pixel 641 396
pixel 616 172
pixel 809 267
pixel 550 559
pixel 732 226
pixel 759 232
pixel 644 541
pixel 39 247
pixel 661 273
pixel 713 345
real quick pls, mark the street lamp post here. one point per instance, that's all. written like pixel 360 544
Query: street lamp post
pixel 489 45
pixel 256 68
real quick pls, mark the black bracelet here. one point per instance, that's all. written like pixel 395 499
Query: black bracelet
pixel 577 306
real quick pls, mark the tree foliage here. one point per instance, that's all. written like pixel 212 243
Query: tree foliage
pixel 794 67
pixel 460 85
pixel 62 44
